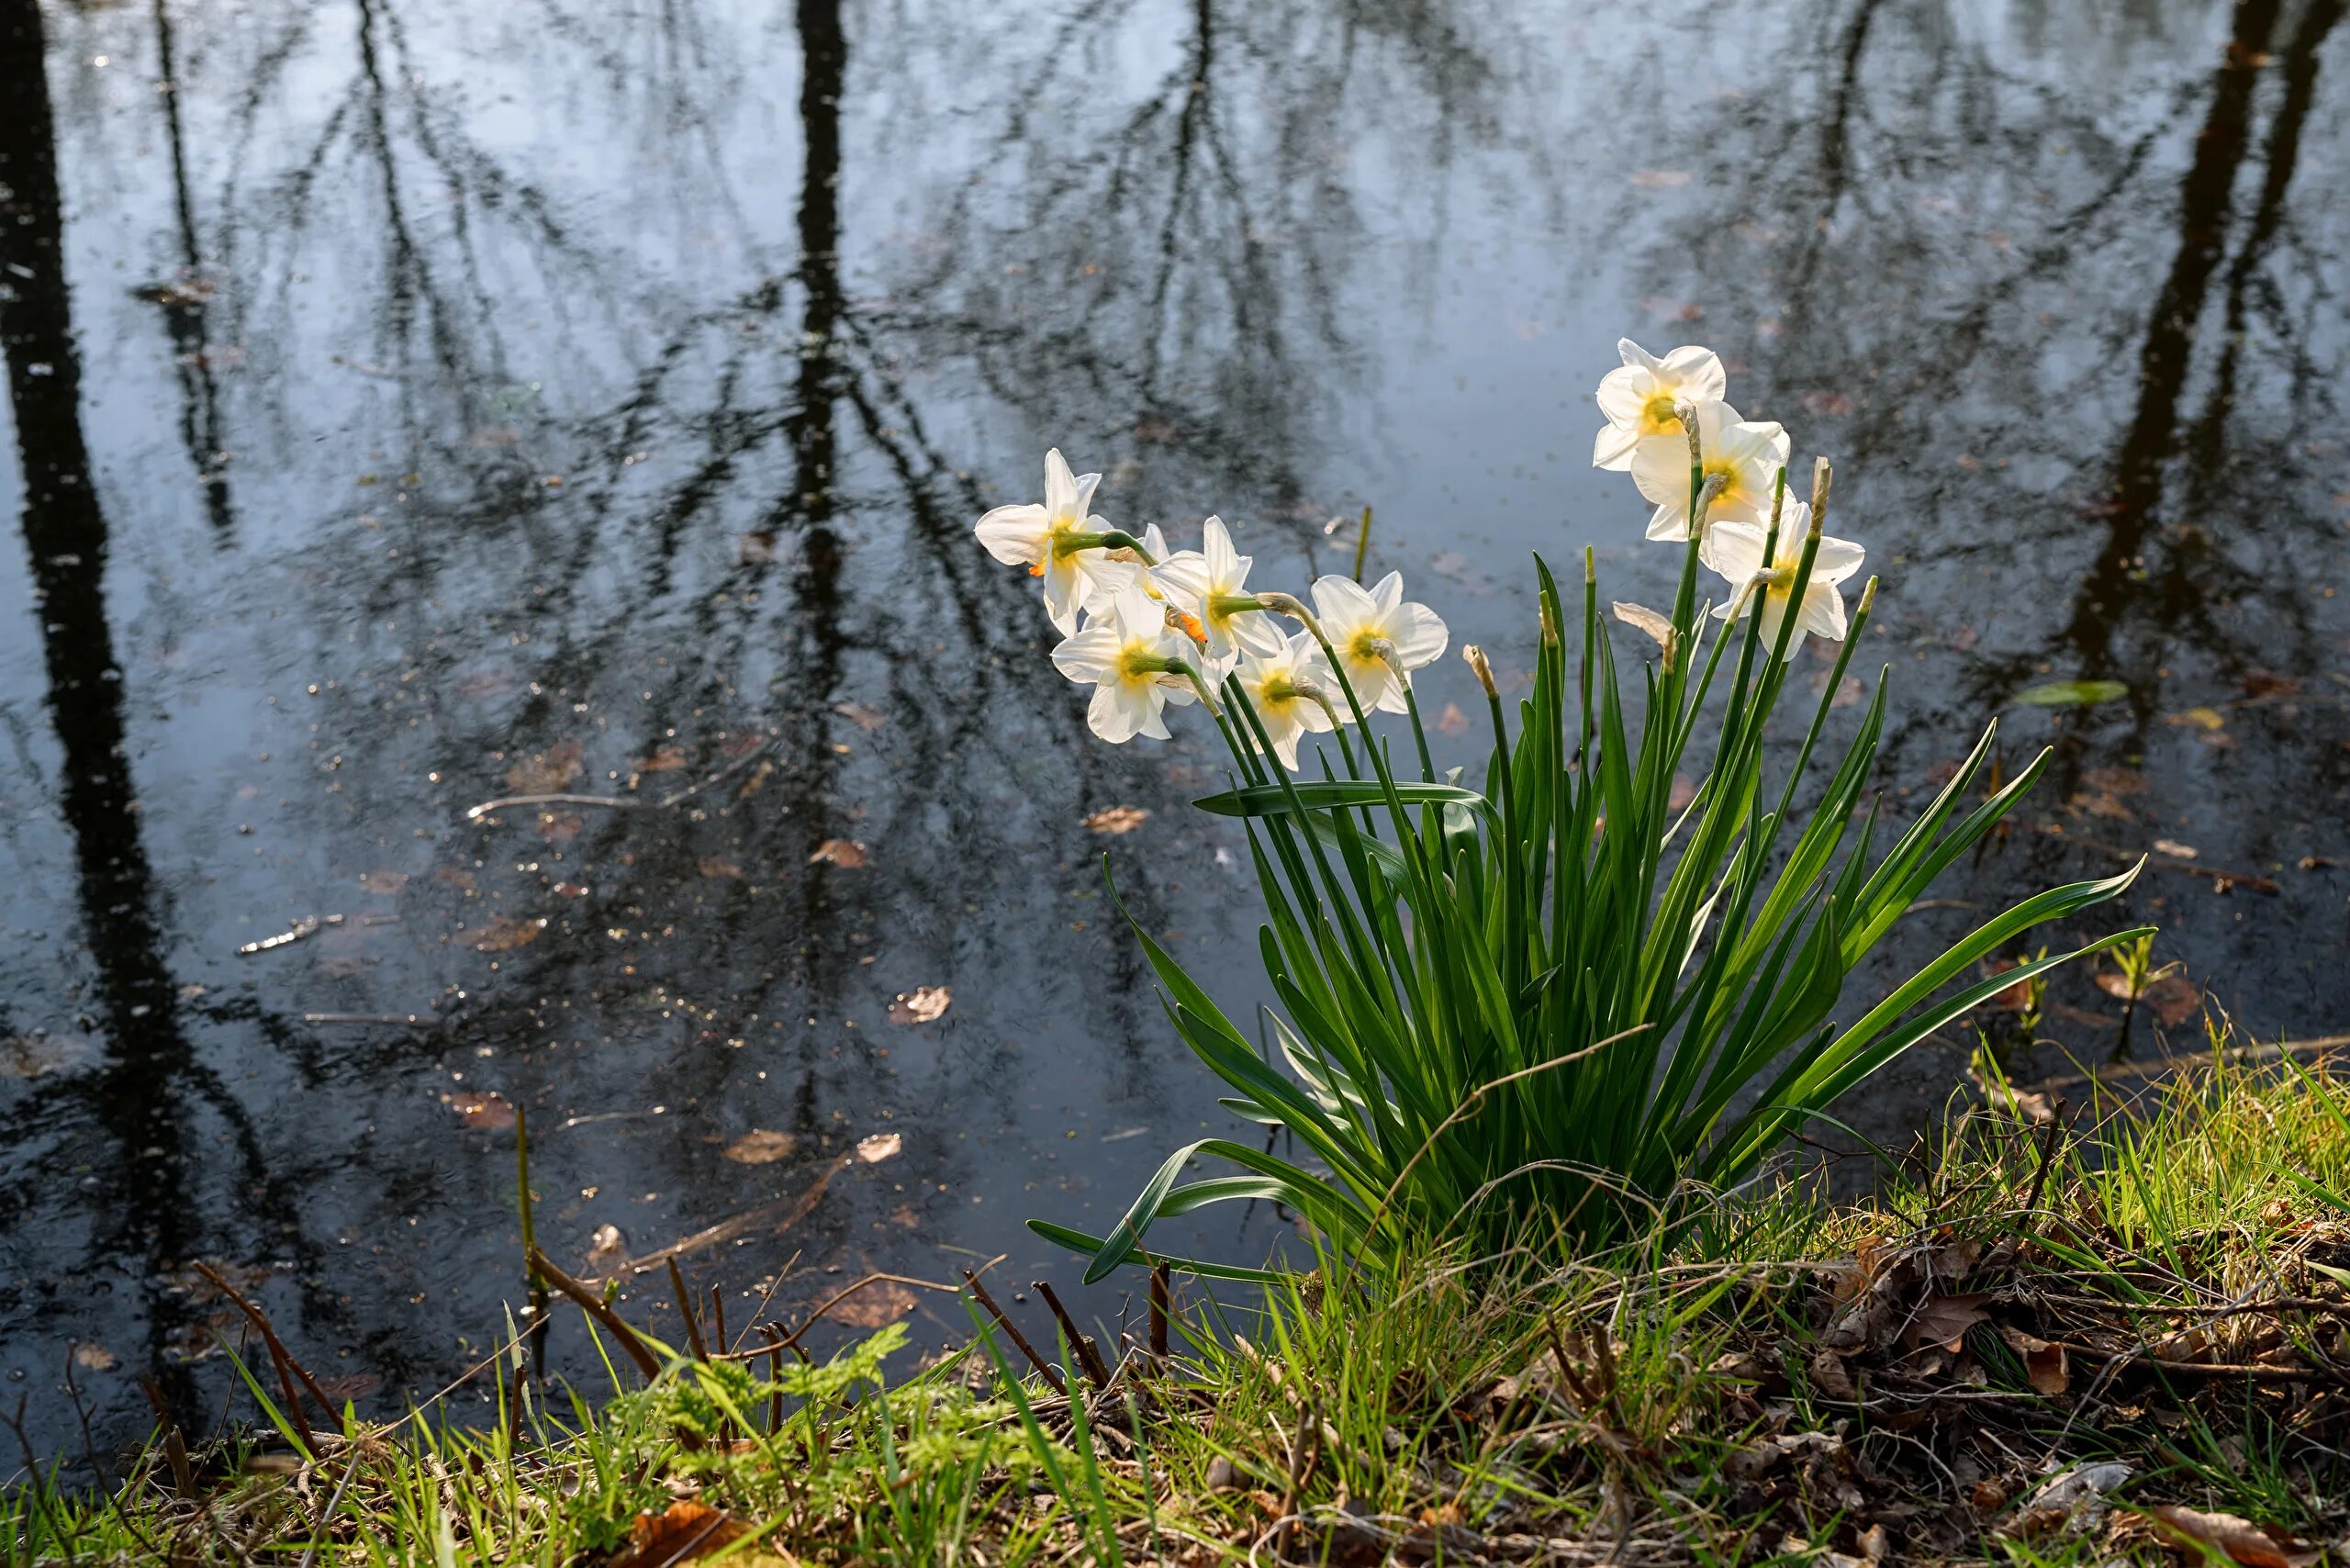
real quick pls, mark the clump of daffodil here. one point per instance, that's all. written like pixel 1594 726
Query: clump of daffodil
pixel 1644 398
pixel 1211 584
pixel 1739 462
pixel 1137 663
pixel 1289 688
pixel 1761 572
pixel 1378 637
pixel 1082 560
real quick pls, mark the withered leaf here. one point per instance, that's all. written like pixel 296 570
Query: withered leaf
pixel 2043 1363
pixel 759 1147
pixel 1117 819
pixel 717 865
pixel 685 1531
pixel 864 715
pixel 925 1004
pixel 668 759
pixel 1829 1376
pixel 95 1357
pixel 847 854
pixel 38 1055
pixel 2238 1539
pixel 606 1250
pixel 484 1108
pixel 505 934
pixel 878 1305
pixel 1944 1320
pixel 548 771
pixel 2174 999
pixel 386 883
pixel 880 1147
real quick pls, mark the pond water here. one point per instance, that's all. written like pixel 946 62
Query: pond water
pixel 416 402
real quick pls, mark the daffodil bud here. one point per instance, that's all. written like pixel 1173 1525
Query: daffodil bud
pixel 1822 476
pixel 1549 625
pixel 1868 594
pixel 1478 662
pixel 1589 565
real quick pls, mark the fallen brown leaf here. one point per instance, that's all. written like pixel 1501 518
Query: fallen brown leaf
pixel 878 1305
pixel 923 1004
pixel 685 1530
pixel 1117 819
pixel 484 1108
pixel 717 865
pixel 96 1358
pixel 546 772
pixel 385 882
pixel 880 1147
pixel 668 759
pixel 847 854
pixel 1944 1320
pixel 759 1147
pixel 2239 1540
pixel 606 1250
pixel 864 715
pixel 505 934
pixel 2043 1363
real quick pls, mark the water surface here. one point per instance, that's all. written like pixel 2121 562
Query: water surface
pixel 417 402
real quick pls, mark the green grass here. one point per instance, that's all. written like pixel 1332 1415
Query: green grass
pixel 1767 1380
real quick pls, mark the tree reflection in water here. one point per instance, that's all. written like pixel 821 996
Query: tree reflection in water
pixel 442 388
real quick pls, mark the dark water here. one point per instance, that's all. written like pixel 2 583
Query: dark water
pixel 416 399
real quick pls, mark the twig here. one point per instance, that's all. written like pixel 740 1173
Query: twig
pixel 309 925
pixel 783 1213
pixel 623 803
pixel 420 1019
pixel 507 803
pixel 175 1445
pixel 90 1448
pixel 686 1305
pixel 318 1524
pixel 1088 1357
pixel 594 1306
pixel 1052 1378
pixel 829 1302
pixel 286 1364
pixel 1159 1311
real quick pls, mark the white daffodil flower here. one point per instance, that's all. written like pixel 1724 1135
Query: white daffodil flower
pixel 1288 686
pixel 1741 462
pixel 1212 584
pixel 1643 398
pixel 1734 549
pixel 1136 663
pixel 1378 637
pixel 1060 542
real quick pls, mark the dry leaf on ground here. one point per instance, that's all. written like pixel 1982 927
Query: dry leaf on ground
pixel 482 1108
pixel 686 1530
pixel 845 852
pixel 923 1004
pixel 717 865
pixel 864 715
pixel 96 1358
pixel 2043 1363
pixel 1117 819
pixel 1944 1320
pixel 2240 1541
pixel 759 1147
pixel 385 882
pixel 1452 721
pixel 873 1150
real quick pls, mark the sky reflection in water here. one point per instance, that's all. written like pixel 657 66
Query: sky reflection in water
pixel 414 401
